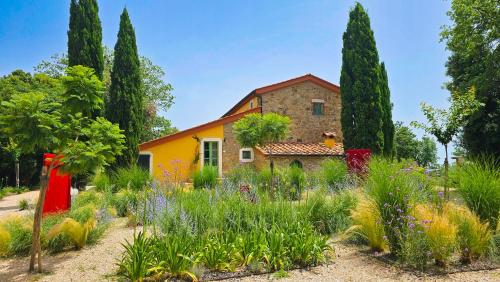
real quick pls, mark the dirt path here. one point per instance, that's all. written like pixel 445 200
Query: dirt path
pixel 10 204
pixel 353 266
pixel 94 263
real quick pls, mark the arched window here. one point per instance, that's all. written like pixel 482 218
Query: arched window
pixel 296 163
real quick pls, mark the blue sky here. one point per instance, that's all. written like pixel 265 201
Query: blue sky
pixel 215 52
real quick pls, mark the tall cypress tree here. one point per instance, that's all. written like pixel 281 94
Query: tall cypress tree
pixel 125 101
pixel 385 101
pixel 359 85
pixel 85 36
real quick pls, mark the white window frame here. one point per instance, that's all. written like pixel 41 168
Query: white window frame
pixel 251 155
pixel 219 154
pixel 150 160
pixel 318 101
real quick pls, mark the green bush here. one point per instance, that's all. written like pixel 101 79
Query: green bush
pixel 479 186
pixel 134 178
pixel 83 213
pixel 334 173
pixel 20 230
pixel 394 189
pixel 87 197
pixel 124 202
pixel 330 213
pixel 23 205
pixel 103 182
pixel 206 178
pixel 242 174
pixel 137 259
pixel 297 181
pixel 175 256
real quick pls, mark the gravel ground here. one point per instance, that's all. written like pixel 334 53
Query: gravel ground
pixel 98 263
pixel 10 204
pixel 351 265
pixel 94 263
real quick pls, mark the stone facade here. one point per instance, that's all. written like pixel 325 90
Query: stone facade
pixel 296 102
pixel 309 163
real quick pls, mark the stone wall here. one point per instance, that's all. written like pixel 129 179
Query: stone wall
pixel 231 150
pixel 296 102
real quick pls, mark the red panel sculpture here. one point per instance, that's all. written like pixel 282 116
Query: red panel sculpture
pixel 58 197
pixel 357 159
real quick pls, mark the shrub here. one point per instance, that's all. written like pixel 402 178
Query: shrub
pixel 206 178
pixel 242 174
pixel 58 242
pixel 84 213
pixel 479 186
pixel 391 189
pixel 305 246
pixel 124 202
pixel 23 205
pixel 77 232
pixel 20 230
pixel 134 178
pixel 5 239
pixel 334 173
pixel 137 260
pixel 441 233
pixel 103 182
pixel 367 223
pixel 85 198
pixel 174 255
pixel 473 236
pixel 297 181
pixel 330 214
pixel 218 253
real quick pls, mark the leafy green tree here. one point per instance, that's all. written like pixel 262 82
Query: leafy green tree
pixel 125 101
pixel 385 101
pixel 260 130
pixel 445 124
pixel 38 120
pixel 85 36
pixel 362 113
pixel 473 41
pixel 157 93
pixel 426 152
pixel 405 142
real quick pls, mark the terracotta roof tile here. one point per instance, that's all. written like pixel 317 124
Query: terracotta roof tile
pixel 302 149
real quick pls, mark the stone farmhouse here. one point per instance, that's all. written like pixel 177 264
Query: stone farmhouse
pixel 313 105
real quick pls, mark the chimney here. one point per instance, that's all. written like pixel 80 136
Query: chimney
pixel 329 139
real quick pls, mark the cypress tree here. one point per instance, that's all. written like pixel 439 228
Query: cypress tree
pixel 125 101
pixel 359 85
pixel 85 36
pixel 385 101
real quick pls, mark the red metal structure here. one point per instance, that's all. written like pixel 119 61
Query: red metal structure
pixel 58 197
pixel 357 159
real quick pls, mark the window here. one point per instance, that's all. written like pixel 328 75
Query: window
pixel 318 108
pixel 251 104
pixel 144 160
pixel 296 163
pixel 246 155
pixel 211 153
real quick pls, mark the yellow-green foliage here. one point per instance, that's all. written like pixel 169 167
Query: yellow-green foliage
pixel 473 236
pixel 20 231
pixel 73 229
pixel 4 241
pixel 441 233
pixel 367 223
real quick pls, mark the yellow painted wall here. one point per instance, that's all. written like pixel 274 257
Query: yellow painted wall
pixel 246 106
pixel 173 160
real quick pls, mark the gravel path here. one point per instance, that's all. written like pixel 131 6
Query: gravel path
pixel 353 266
pixel 94 263
pixel 10 204
pixel 97 263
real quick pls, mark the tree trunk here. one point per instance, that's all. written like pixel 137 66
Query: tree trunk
pixel 17 172
pixel 446 192
pixel 37 221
